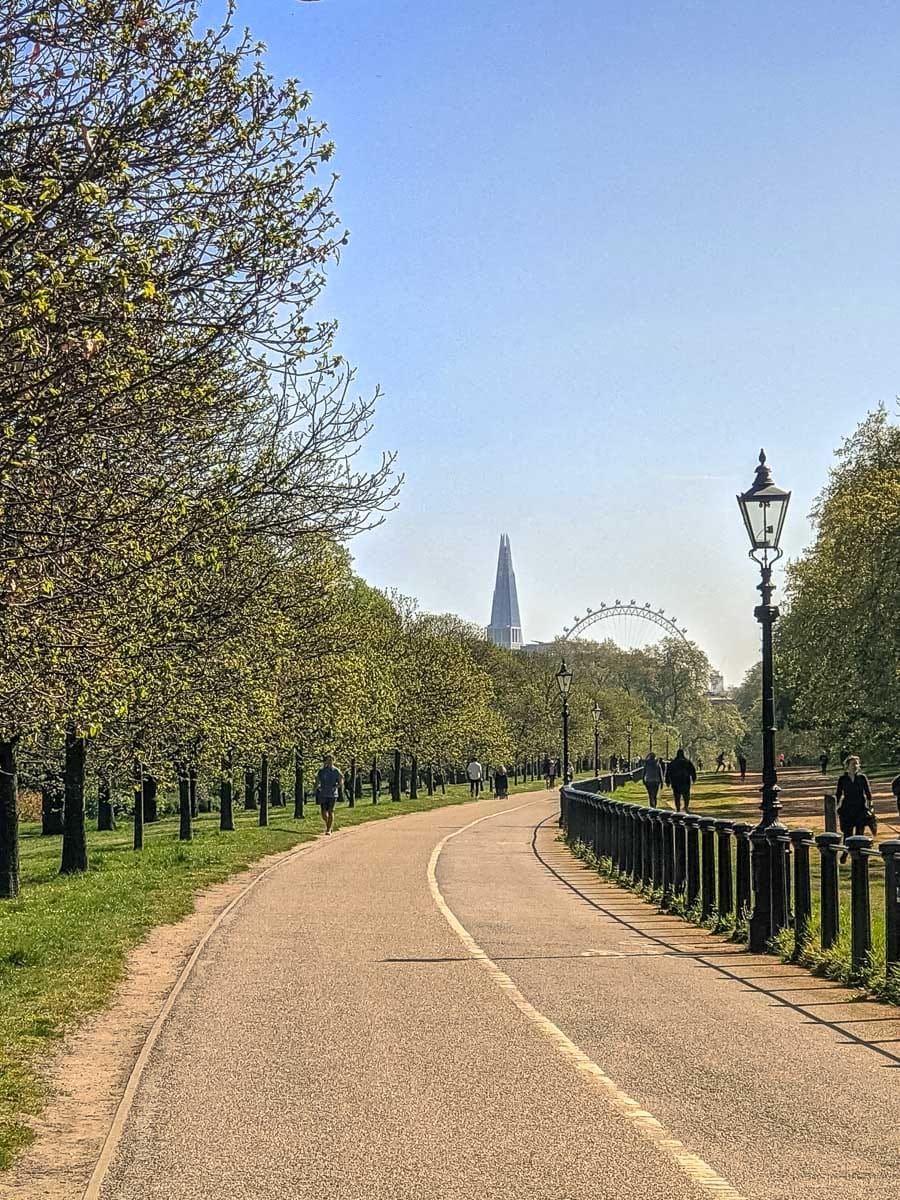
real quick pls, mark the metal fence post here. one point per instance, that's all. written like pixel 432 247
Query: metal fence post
pixel 891 853
pixel 668 846
pixel 831 821
pixel 646 849
pixel 634 833
pixel 860 909
pixel 708 869
pixel 692 829
pixel 680 852
pixel 801 842
pixel 725 900
pixel 828 876
pixel 656 832
pixel 743 899
pixel 779 857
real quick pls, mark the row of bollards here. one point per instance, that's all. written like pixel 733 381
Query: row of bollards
pixel 705 864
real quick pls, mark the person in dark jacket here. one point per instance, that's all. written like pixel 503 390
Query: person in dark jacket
pixel 854 797
pixel 501 782
pixel 680 775
pixel 823 762
pixel 895 788
pixel 653 777
pixel 742 766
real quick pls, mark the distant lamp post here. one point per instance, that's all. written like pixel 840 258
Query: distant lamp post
pixel 596 713
pixel 667 745
pixel 650 736
pixel 564 683
pixel 764 506
pixel 629 729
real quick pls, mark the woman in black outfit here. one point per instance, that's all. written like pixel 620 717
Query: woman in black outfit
pixel 854 797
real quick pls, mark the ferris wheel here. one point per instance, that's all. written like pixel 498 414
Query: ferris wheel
pixel 630 625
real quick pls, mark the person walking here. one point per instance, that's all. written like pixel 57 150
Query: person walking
pixel 554 765
pixel 680 775
pixel 823 762
pixel 613 763
pixel 501 782
pixel 854 797
pixel 720 761
pixel 742 766
pixel 474 773
pixel 546 769
pixel 329 787
pixel 653 778
pixel 895 788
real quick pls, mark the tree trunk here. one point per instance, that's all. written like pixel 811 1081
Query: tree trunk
pixel 74 847
pixel 106 817
pixel 351 798
pixel 249 790
pixel 395 778
pixel 414 779
pixel 150 789
pixel 52 807
pixel 226 816
pixel 9 820
pixel 298 783
pixel 264 790
pixel 429 779
pixel 138 805
pixel 185 825
pixel 275 800
pixel 376 787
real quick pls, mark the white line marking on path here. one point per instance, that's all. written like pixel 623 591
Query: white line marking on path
pixel 698 1171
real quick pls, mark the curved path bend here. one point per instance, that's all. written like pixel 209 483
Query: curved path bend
pixel 431 1007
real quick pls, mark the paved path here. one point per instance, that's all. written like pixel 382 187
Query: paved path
pixel 512 1027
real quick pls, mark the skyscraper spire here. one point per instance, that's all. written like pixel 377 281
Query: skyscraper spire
pixel 505 628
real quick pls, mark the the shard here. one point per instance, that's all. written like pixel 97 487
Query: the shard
pixel 505 628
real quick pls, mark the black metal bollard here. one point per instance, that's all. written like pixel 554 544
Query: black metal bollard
pixel 860 907
pixel 692 830
pixel 779 857
pixel 634 831
pixel 828 876
pixel 801 840
pixel 708 868
pixel 668 841
pixel 646 849
pixel 657 838
pixel 725 894
pixel 680 837
pixel 891 853
pixel 743 899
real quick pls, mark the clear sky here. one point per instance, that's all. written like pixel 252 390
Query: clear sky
pixel 600 254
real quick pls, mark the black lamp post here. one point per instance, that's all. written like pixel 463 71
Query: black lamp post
pixel 667 745
pixel 650 735
pixel 763 507
pixel 564 682
pixel 596 713
pixel 628 731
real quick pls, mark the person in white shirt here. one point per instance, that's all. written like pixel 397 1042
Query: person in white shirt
pixel 473 770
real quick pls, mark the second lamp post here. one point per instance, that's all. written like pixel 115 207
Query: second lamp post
pixel 596 713
pixel 564 683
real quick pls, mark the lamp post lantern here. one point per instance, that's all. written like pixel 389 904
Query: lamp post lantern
pixel 596 713
pixel 564 682
pixel 763 507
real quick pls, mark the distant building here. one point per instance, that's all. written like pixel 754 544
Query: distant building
pixel 505 628
pixel 716 684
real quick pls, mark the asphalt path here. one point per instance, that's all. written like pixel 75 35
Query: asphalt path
pixel 446 1005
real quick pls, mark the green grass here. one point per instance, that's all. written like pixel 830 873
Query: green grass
pixel 64 942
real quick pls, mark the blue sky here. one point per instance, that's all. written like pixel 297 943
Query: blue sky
pixel 601 253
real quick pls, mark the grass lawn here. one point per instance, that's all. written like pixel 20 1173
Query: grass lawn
pixel 64 942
